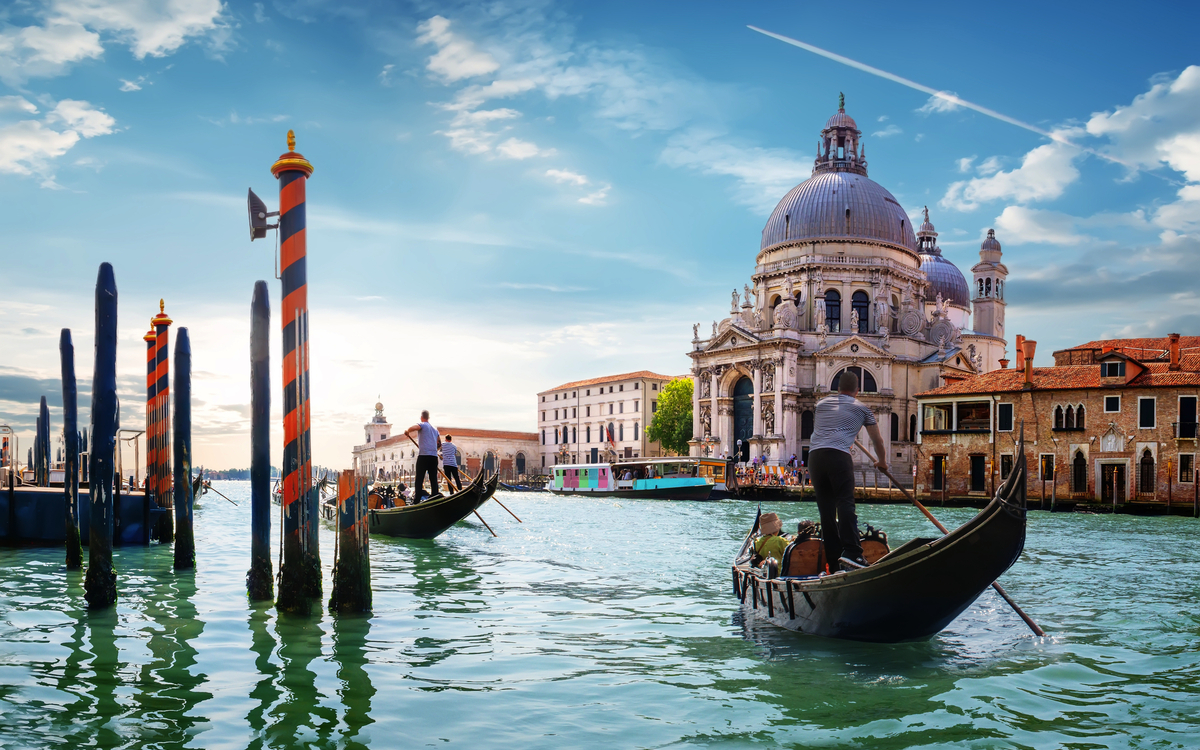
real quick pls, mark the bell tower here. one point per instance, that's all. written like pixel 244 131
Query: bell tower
pixel 990 279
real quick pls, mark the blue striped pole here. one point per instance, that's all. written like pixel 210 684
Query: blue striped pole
pixel 185 541
pixel 100 584
pixel 259 579
pixel 71 461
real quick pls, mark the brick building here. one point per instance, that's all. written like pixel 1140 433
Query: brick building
pixel 1114 417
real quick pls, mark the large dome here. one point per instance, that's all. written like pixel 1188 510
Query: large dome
pixel 839 205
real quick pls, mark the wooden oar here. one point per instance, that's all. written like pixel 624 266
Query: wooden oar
pixel 208 486
pixel 417 490
pixel 999 589
pixel 494 498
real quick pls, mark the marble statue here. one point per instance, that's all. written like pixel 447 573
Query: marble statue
pixel 768 417
pixel 747 302
pixel 696 332
pixel 854 320
pixel 820 313
pixel 714 329
pixel 733 307
pixel 881 310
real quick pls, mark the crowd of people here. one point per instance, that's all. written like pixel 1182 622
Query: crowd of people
pixel 791 474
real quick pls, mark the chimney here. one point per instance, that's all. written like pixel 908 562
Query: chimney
pixel 1003 363
pixel 1020 365
pixel 1028 348
pixel 1174 352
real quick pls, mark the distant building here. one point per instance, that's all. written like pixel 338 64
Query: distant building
pixel 1114 417
pixel 385 456
pixel 842 282
pixel 575 418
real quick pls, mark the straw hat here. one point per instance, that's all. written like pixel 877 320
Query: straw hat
pixel 770 524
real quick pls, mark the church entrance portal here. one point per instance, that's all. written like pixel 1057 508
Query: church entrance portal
pixel 743 415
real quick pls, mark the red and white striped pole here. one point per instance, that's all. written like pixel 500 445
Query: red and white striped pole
pixel 165 530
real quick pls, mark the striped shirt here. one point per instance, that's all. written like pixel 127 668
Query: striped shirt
pixel 449 454
pixel 838 420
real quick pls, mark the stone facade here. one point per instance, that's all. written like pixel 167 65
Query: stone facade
pixel 574 418
pixel 841 281
pixel 383 456
pixel 1110 418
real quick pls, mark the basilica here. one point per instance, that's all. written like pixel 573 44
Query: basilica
pixel 842 282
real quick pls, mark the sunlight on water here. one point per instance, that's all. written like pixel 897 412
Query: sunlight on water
pixel 599 622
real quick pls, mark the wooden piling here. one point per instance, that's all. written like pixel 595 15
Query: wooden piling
pixel 42 473
pixel 260 583
pixel 100 584
pixel 185 542
pixel 162 392
pixel 352 562
pixel 300 498
pixel 151 443
pixel 71 461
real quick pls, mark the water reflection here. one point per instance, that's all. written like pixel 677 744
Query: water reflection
pixel 266 690
pixel 299 717
pixel 350 634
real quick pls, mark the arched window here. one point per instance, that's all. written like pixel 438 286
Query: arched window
pixel 1058 417
pixel 587 433
pixel 987 288
pixel 895 427
pixel 489 462
pixel 574 434
pixel 833 311
pixel 774 303
pixel 1079 473
pixel 912 428
pixel 543 437
pixel 621 431
pixel 999 289
pixel 556 436
pixel 1147 478
pixel 866 381
pixel 980 292
pixel 861 303
pixel 1069 420
pixel 635 430
pixel 1079 424
pixel 520 463
pixel 806 424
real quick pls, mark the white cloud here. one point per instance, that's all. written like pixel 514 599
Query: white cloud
pixel 964 164
pixel 890 130
pixel 943 101
pixel 29 147
pixel 385 74
pixel 563 175
pixel 762 174
pixel 540 287
pixel 132 85
pixel 1020 225
pixel 990 166
pixel 598 198
pixel 883 118
pixel 1044 174
pixel 71 31
pixel 1146 133
pixel 1182 216
pixel 457 58
pixel 515 148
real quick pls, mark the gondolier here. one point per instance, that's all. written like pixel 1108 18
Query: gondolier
pixel 838 420
pixel 450 461
pixel 427 455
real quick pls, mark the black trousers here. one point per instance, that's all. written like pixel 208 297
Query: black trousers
pixel 425 465
pixel 452 474
pixel 832 475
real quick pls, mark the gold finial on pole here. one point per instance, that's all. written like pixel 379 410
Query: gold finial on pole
pixel 291 140
pixel 161 306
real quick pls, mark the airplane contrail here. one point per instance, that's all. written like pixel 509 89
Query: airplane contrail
pixel 943 95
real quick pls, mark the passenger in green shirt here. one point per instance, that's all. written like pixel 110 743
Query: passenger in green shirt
pixel 769 542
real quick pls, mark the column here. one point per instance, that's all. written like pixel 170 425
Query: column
pixel 718 424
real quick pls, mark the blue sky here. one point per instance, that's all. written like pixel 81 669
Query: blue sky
pixel 512 195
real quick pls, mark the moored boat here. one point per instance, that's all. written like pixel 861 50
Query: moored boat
pixel 427 519
pixel 910 593
pixel 661 478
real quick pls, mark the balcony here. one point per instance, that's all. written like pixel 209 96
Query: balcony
pixel 1184 430
pixel 1067 429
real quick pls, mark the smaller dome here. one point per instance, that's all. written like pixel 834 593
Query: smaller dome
pixel 945 279
pixel 927 225
pixel 841 120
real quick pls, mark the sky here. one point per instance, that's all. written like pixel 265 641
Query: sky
pixel 512 195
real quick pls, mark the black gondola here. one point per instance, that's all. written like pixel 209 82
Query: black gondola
pixel 911 593
pixel 430 518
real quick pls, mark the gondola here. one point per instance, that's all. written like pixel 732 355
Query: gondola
pixel 910 593
pixel 430 518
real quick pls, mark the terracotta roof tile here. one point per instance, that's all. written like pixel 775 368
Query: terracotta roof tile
pixel 464 432
pixel 611 379
pixel 1067 377
pixel 1144 349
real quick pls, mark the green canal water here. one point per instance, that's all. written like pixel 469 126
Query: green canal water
pixel 600 622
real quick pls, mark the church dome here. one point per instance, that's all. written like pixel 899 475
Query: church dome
pixel 839 201
pixel 945 279
pixel 838 205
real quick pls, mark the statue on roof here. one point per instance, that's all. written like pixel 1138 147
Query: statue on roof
pixel 841 101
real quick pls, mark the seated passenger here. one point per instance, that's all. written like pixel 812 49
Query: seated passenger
pixel 769 542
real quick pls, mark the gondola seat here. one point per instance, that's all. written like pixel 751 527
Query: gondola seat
pixel 803 557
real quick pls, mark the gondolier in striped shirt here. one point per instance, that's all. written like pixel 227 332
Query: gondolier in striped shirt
pixel 450 461
pixel 838 420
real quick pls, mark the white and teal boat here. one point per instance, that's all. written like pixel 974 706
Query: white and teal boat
pixel 663 478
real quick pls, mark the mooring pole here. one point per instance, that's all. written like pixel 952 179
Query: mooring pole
pixel 43 467
pixel 259 580
pixel 71 461
pixel 352 565
pixel 185 541
pixel 301 572
pixel 162 393
pixel 151 440
pixel 100 584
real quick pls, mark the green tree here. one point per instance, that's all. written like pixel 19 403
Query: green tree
pixel 671 424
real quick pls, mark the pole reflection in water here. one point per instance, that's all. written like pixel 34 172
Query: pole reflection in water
pixel 350 633
pixel 301 717
pixel 266 690
pixel 104 678
pixel 169 685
